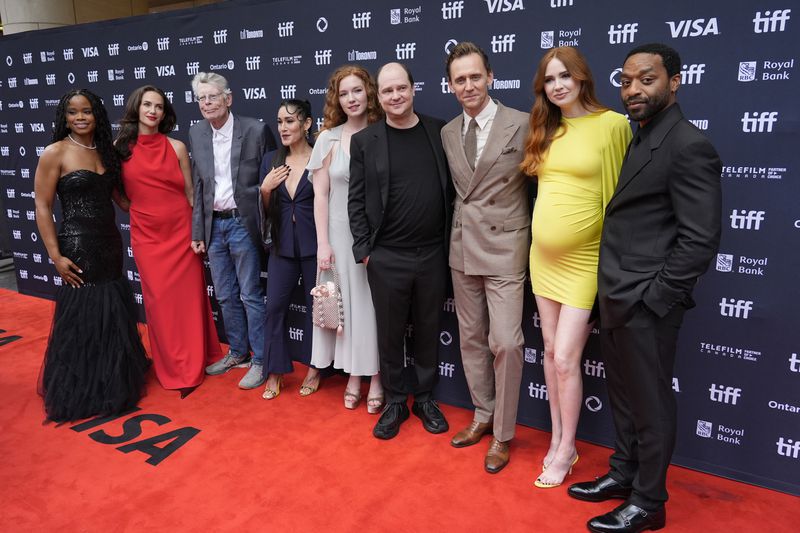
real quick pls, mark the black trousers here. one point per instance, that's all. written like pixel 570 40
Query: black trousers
pixel 640 357
pixel 403 281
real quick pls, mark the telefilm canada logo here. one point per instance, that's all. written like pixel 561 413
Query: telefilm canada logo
pixel 731 352
pixel 753 171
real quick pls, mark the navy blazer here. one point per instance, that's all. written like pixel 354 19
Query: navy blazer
pixel 297 235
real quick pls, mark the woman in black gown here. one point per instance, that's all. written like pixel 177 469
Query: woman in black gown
pixel 95 363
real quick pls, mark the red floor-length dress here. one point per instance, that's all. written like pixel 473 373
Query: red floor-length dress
pixel 183 338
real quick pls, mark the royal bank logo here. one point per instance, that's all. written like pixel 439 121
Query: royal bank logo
pixel 547 39
pixel 770 70
pixel 358 55
pixel 322 57
pixel 406 15
pixel 622 33
pixel 286 29
pixel 733 308
pixel 752 266
pixel 747 70
pixel 452 10
pixel 771 21
pixel 47 56
pixel 502 44
pixel 361 20
pixel 252 62
pixel 116 74
pixel 728 435
pixel 531 356
pixel 446 370
pixel 747 219
pixel 724 262
pixel 405 51
pixel 693 27
pixel 503 6
pixel 691 74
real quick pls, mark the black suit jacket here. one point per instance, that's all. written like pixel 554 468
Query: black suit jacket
pixel 369 181
pixel 662 226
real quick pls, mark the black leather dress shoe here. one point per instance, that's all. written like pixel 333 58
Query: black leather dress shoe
pixel 432 417
pixel 628 518
pixel 601 489
pixel 388 425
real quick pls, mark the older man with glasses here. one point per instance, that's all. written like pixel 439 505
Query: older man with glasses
pixel 226 156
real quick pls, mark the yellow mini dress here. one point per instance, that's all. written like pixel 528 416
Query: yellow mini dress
pixel 576 181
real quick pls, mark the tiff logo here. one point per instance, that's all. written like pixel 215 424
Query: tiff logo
pixel 322 57
pixel 19 127
pixel 296 334
pixel 119 100
pixel 286 29
pixel 113 49
pixel 33 103
pixel 50 79
pixel 538 391
pixel 794 363
pixel 595 369
pixel 750 220
pixel 361 20
pixel 788 447
pixel 759 122
pixel 560 3
pixel 288 91
pixel 768 23
pixel 446 369
pixel 452 10
pixel 27 58
pixel 210 290
pixel 138 297
pixel 139 72
pixel 691 74
pixel 220 36
pixel 92 76
pixel 162 43
pixel 253 62
pixel 503 43
pixel 192 68
pixel 623 33
pixel 732 308
pixel 405 50
pixel 449 305
pixel 723 394
pixel 69 55
pixel 445 86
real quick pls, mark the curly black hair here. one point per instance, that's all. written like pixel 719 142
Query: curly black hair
pixel 102 128
pixel 129 131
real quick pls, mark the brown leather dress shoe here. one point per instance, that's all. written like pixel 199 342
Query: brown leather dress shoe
pixel 496 457
pixel 471 434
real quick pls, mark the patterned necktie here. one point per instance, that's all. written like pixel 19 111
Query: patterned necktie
pixel 471 143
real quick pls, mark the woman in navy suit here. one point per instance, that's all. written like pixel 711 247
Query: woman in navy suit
pixel 288 199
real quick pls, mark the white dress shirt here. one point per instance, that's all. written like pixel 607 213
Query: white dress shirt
pixel 485 119
pixel 223 182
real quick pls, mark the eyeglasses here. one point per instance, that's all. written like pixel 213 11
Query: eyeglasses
pixel 210 98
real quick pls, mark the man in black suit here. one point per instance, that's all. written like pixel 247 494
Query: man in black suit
pixel 661 230
pixel 399 208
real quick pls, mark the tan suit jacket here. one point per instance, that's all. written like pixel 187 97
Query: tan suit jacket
pixel 488 258
pixel 491 220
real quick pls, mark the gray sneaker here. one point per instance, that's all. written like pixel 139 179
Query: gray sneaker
pixel 225 364
pixel 254 377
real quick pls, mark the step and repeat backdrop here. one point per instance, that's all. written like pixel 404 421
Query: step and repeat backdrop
pixel 738 370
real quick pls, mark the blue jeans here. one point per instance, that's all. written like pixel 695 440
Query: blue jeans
pixel 236 271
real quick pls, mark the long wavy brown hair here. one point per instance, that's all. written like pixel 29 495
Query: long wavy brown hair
pixel 546 116
pixel 333 112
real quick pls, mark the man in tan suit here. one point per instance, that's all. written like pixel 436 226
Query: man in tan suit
pixel 488 248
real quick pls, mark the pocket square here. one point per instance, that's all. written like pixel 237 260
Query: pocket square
pixel 508 150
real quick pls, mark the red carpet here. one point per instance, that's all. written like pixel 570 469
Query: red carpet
pixel 294 464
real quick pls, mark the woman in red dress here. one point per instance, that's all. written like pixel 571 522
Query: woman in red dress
pixel 156 175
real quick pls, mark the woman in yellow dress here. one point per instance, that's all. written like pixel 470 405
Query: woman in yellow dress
pixel 575 149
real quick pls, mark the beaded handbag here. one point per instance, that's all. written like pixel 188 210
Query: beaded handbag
pixel 327 311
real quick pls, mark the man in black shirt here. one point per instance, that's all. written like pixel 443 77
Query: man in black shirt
pixel 399 209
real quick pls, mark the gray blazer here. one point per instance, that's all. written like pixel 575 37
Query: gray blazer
pixel 251 139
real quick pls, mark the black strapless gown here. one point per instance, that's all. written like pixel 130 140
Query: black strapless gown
pixel 95 363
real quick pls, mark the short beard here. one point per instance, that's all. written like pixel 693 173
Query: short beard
pixel 652 108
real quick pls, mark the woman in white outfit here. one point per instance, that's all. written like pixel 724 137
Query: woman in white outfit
pixel 350 105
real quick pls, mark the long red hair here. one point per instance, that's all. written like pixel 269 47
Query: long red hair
pixel 333 113
pixel 546 116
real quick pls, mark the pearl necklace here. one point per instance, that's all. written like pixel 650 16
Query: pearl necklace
pixel 92 147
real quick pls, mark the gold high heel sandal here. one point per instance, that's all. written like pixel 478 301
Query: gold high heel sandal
pixel 271 394
pixel 544 485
